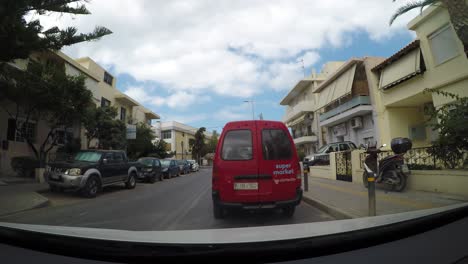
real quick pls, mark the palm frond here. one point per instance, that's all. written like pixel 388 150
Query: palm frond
pixel 410 6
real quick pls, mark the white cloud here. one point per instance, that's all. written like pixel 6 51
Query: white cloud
pixel 233 48
pixel 180 100
pixel 185 119
pixel 234 113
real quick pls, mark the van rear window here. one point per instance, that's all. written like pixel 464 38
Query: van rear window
pixel 276 145
pixel 237 145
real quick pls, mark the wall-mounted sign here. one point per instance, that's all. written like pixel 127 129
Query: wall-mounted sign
pixel 131 131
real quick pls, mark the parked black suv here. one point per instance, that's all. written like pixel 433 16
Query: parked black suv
pixel 90 170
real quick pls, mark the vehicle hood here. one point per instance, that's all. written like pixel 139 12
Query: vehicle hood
pixel 72 164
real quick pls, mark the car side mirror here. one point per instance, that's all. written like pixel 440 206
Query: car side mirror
pixel 104 161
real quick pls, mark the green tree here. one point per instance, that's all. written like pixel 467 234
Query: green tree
pixel 44 92
pixel 100 124
pixel 159 150
pixel 452 124
pixel 213 142
pixel 20 37
pixel 143 144
pixel 457 9
pixel 198 148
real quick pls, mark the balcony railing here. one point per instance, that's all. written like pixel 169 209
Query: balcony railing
pixel 354 102
pixel 295 111
pixel 423 159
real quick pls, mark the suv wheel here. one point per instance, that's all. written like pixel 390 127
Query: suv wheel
pixel 91 187
pixel 131 182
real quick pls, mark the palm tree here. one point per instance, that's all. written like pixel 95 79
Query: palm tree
pixel 457 9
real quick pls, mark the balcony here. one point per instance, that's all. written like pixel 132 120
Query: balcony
pixel 293 112
pixel 358 105
pixel 305 140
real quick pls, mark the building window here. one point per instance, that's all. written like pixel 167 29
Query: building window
pixel 108 78
pixel 166 134
pixel 105 102
pixel 26 131
pixel 123 114
pixel 443 44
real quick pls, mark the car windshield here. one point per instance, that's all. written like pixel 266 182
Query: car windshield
pixel 165 163
pixel 152 115
pixel 87 156
pixel 146 162
pixel 322 149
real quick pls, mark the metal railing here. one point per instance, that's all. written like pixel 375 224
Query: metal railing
pixel 423 159
pixel 355 101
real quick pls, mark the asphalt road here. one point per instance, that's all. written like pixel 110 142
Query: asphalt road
pixel 174 204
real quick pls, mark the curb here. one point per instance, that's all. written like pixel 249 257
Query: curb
pixel 44 203
pixel 331 210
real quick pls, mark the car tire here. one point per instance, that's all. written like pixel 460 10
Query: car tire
pixel 91 188
pixel 289 211
pixel 131 181
pixel 218 211
pixel 152 179
pixel 161 177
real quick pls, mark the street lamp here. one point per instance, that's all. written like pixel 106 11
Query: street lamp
pixel 252 105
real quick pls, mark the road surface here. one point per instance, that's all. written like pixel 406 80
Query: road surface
pixel 180 203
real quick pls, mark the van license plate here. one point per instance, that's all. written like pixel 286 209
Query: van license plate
pixel 246 186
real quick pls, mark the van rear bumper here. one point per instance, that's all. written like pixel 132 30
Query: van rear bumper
pixel 259 205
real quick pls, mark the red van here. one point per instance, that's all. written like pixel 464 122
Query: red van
pixel 256 166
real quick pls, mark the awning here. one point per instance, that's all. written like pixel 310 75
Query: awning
pixel 340 87
pixel 151 115
pixel 402 69
pixel 125 100
pixel 296 121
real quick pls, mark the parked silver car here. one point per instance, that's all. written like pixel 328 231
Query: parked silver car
pixel 194 165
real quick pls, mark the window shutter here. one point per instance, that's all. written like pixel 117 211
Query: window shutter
pixel 11 129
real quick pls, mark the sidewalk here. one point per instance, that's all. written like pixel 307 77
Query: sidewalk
pixel 19 194
pixel 349 200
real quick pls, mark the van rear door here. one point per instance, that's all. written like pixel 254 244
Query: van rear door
pixel 236 166
pixel 278 165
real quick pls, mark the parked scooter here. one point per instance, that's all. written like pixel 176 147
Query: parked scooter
pixel 391 170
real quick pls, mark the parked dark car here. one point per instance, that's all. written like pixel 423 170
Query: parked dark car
pixel 170 168
pixel 149 169
pixel 184 166
pixel 90 170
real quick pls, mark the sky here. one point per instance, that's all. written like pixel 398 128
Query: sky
pixel 197 61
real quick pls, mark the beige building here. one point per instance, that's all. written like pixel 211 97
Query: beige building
pixel 345 105
pixel 178 137
pixel 301 110
pixel 102 85
pixel 435 60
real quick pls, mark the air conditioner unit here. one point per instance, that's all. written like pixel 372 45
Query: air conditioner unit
pixel 356 122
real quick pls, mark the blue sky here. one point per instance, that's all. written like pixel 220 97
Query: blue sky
pixel 197 61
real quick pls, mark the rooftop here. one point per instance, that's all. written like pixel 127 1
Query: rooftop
pixel 405 50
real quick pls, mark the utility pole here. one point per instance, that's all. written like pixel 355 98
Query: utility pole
pixel 303 67
pixel 252 105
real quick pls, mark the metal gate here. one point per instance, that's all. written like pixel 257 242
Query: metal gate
pixel 343 163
